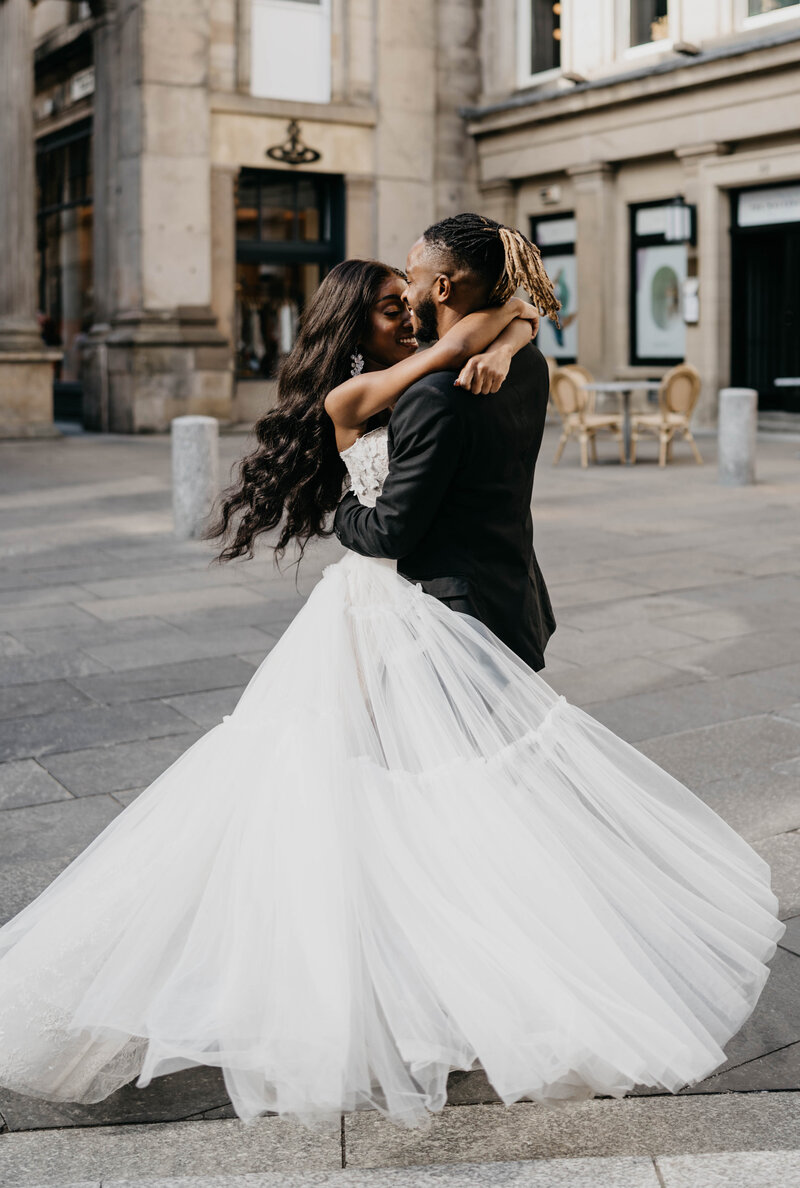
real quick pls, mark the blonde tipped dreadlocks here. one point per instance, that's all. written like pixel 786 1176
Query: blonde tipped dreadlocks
pixel 489 249
pixel 524 270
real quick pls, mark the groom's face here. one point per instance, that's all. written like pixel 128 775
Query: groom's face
pixel 418 294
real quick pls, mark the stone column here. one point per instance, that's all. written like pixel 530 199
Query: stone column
pixel 708 340
pixel 498 201
pixel 458 84
pixel 156 351
pixel 26 365
pixel 360 205
pixel 594 213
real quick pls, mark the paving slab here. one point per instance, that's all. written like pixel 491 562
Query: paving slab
pixel 166 680
pixel 725 749
pixel 76 729
pixel 22 881
pixel 22 670
pixel 599 590
pixel 775 1022
pixel 589 683
pixel 757 803
pixel 207 709
pixel 172 1098
pixel 173 645
pixel 632 566
pixel 175 1149
pixel 9 646
pixel 43 697
pixel 230 595
pixel 54 830
pixel 741 1169
pixel 25 782
pixel 783 855
pixel 699 703
pixel 38 595
pixel 117 768
pixel 633 1126
pixel 775 1072
pixel 556 1173
pixel 65 614
pixel 604 647
pixel 710 625
pixel 746 653
pixel 44 641
pixel 791 938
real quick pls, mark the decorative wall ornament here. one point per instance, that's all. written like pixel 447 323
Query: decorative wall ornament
pixel 292 151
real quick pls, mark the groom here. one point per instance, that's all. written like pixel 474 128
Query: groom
pixel 456 506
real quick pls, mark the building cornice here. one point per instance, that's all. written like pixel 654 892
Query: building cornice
pixel 775 51
pixel 59 40
pixel 231 103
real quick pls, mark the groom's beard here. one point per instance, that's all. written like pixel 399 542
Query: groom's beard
pixel 425 314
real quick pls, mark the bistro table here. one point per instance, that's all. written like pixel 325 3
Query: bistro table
pixel 624 388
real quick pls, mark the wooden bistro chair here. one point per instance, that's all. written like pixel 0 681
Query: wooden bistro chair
pixel 677 397
pixel 578 418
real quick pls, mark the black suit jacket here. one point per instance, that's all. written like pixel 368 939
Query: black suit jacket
pixel 456 507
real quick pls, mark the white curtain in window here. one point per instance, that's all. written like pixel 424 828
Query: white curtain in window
pixel 291 50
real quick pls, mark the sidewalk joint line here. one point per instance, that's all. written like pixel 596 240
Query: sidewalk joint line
pixel 662 1182
pixel 343 1140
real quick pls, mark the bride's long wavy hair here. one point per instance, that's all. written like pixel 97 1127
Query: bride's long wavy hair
pixel 293 477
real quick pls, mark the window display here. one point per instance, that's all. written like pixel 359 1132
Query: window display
pixel 289 232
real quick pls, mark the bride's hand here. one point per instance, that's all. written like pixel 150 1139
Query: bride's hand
pixel 484 374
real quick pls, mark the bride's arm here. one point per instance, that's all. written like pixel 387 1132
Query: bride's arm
pixel 352 404
pixel 484 373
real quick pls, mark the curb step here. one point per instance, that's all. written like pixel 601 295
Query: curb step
pixel 272 1151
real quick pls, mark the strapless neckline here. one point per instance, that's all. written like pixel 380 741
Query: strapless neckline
pixel 363 437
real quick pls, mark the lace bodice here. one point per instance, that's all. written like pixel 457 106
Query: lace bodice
pixel 367 462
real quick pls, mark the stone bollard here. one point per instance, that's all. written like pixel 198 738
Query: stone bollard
pixel 195 473
pixel 738 417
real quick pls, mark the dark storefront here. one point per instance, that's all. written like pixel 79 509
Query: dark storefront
pixel 765 315
pixel 289 233
pixel 64 242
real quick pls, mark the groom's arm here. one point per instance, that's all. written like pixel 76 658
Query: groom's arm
pixel 426 447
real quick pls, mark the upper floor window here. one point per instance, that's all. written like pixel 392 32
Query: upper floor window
pixel 764 7
pixel 291 50
pixel 649 21
pixel 539 37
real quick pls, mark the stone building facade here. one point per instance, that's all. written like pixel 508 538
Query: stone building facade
pixel 200 164
pixel 652 148
pixel 154 125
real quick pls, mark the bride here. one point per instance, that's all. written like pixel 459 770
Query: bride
pixel 402 853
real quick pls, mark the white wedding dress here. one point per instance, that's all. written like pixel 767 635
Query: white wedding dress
pixel 400 855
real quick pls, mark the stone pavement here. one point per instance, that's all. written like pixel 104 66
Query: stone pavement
pixel 679 628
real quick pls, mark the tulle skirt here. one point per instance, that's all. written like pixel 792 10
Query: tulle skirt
pixel 401 854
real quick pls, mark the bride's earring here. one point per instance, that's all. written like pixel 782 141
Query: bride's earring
pixel 356 363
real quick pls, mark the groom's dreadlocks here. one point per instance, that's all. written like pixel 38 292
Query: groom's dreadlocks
pixel 488 249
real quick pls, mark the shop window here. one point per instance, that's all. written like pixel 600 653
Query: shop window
pixel 291 50
pixel 764 7
pixel 289 233
pixel 554 235
pixel 765 294
pixel 539 30
pixel 64 247
pixel 660 233
pixel 649 21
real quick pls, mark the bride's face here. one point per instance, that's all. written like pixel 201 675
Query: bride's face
pixel 391 331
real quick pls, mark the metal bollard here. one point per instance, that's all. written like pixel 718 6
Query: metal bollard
pixel 738 418
pixel 195 473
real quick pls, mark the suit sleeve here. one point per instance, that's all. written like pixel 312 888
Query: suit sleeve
pixel 427 436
